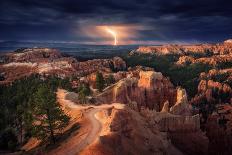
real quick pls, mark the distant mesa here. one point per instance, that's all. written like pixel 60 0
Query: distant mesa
pixel 228 41
pixel 219 48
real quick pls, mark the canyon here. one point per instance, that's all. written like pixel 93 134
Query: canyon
pixel 212 97
pixel 142 111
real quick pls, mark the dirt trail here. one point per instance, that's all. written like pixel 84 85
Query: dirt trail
pixel 93 127
pixel 93 134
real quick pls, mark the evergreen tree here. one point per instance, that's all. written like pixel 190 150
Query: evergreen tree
pixel 48 116
pixel 110 80
pixel 100 82
pixel 83 92
pixel 85 88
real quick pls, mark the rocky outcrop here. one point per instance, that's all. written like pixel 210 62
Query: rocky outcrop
pixel 150 90
pixel 181 107
pixel 214 90
pixel 219 129
pixel 103 65
pixel 165 107
pixel 51 62
pixel 184 131
pixel 135 71
pixel 155 90
pixel 181 96
pixel 33 55
pixel 179 123
pixel 129 133
pixel 214 87
pixel 184 60
pixel 204 49
pixel 118 64
pixel 119 92
pixel 229 41
pixel 124 127
pixel 148 78
pixel 159 50
pixel 214 60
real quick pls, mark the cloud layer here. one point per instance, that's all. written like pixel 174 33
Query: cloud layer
pixel 141 20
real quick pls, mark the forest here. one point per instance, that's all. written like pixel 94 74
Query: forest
pixel 184 76
pixel 28 100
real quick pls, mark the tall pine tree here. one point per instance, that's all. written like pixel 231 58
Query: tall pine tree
pixel 49 117
pixel 100 82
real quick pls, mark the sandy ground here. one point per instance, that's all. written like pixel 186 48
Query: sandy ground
pixel 90 125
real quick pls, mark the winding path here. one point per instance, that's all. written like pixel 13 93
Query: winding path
pixel 92 135
pixel 95 124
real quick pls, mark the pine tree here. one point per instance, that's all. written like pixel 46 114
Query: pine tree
pixel 100 82
pixel 110 80
pixel 49 118
pixel 83 92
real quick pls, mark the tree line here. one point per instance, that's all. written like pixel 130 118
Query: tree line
pixel 28 108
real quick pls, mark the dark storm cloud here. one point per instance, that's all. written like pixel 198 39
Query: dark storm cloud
pixel 169 20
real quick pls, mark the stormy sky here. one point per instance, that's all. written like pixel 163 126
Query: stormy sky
pixel 147 21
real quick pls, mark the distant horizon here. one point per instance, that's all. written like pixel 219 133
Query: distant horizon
pixel 110 44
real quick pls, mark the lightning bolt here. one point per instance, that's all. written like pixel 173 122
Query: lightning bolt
pixel 113 34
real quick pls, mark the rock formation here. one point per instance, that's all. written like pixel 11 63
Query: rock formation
pixel 184 131
pixel 128 127
pixel 148 78
pixel 127 132
pixel 165 107
pixel 215 86
pixel 204 49
pixel 184 60
pixel 181 107
pixel 151 90
pixel 32 55
pixel 179 123
pixel 214 90
pixel 212 60
pixel 25 62
pixel 229 41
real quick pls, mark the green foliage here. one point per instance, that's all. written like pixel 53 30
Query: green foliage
pixel 100 82
pixel 83 91
pixel 55 82
pixel 159 63
pixel 224 65
pixel 16 105
pixel 220 77
pixel 185 76
pixel 8 139
pixel 110 80
pixel 48 116
pixel 206 53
